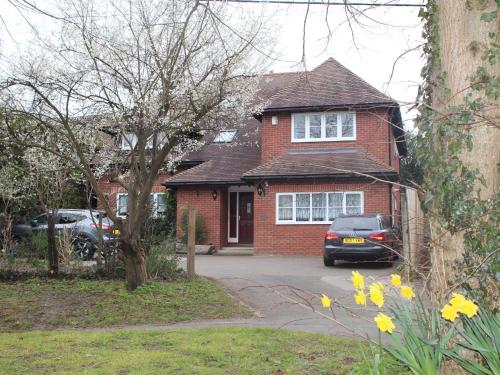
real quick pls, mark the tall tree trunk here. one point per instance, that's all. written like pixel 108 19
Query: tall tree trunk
pixel 134 258
pixel 52 248
pixel 463 38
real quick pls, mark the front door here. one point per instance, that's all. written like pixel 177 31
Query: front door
pixel 245 218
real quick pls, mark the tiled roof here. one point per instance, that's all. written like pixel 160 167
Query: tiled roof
pixel 330 84
pixel 320 163
pixel 227 167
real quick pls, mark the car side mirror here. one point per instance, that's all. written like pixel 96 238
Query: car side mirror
pixel 33 223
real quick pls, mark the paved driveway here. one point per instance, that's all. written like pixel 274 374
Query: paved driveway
pixel 284 291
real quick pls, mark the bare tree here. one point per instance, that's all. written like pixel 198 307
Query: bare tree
pixel 153 74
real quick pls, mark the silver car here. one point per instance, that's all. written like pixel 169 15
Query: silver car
pixel 83 226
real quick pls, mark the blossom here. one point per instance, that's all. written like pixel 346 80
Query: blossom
pixel 358 280
pixel 463 305
pixel 457 300
pixel 449 312
pixel 360 297
pixel 384 323
pixel 325 301
pixel 407 292
pixel 396 280
pixel 377 294
pixel 469 308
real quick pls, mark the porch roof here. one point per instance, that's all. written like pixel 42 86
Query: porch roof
pixel 322 164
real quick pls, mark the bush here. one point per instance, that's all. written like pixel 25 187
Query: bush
pixel 201 233
pixel 35 245
pixel 156 230
pixel 162 261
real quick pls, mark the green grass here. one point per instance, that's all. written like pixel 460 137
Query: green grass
pixel 200 351
pixel 48 304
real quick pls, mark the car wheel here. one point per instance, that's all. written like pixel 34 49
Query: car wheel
pixel 84 248
pixel 328 262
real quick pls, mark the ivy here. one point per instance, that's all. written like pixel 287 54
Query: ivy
pixel 452 188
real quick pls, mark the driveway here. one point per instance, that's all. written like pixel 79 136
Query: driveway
pixel 285 291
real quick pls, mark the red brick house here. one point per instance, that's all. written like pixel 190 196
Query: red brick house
pixel 327 143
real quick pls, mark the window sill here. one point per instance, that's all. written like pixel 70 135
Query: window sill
pixel 324 140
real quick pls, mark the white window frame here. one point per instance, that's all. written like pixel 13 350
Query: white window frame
pixel 118 195
pixel 155 212
pixel 219 138
pixel 323 137
pixel 161 140
pixel 310 222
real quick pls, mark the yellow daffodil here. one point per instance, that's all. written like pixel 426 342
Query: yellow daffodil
pixel 396 280
pixel 325 301
pixel 360 297
pixel 463 305
pixel 457 300
pixel 449 313
pixel 377 294
pixel 384 323
pixel 468 308
pixel 358 280
pixel 407 292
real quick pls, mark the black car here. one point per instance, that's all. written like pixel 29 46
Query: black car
pixel 360 238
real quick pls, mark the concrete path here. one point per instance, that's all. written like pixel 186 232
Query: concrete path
pixel 285 291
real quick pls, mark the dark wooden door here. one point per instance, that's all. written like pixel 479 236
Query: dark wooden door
pixel 246 218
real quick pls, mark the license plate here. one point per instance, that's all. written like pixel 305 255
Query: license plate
pixel 354 240
pixel 116 231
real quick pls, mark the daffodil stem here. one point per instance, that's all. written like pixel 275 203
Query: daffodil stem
pixel 380 343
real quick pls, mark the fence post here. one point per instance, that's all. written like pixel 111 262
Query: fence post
pixel 191 242
pixel 100 244
pixel 405 230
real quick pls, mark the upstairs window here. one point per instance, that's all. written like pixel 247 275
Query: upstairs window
pixel 225 136
pixel 129 141
pixel 321 127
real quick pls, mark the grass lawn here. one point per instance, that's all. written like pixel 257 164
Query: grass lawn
pixel 48 304
pixel 201 351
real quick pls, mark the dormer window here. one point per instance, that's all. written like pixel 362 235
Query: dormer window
pixel 129 141
pixel 322 127
pixel 225 136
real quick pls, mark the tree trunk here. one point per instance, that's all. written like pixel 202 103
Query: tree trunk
pixel 134 258
pixel 463 38
pixel 51 245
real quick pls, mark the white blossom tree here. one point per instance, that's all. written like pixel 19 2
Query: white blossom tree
pixel 156 74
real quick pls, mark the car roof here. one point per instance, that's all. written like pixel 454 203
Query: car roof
pixel 360 216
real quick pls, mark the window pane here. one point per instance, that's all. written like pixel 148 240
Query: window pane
pixel 285 207
pixel 285 214
pixel 122 204
pixel 225 136
pixel 285 201
pixel 319 207
pixel 315 126
pixel 129 141
pixel 353 203
pixel 347 120
pixel 161 203
pixel 299 126
pixel 331 125
pixel 335 201
pixel 303 207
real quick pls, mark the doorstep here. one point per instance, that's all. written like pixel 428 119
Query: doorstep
pixel 236 250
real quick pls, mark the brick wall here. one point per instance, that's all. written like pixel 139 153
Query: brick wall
pixel 372 134
pixel 306 239
pixel 214 212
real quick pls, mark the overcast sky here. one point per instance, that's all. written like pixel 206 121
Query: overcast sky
pixel 386 33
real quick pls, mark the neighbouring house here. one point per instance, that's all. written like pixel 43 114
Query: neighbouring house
pixel 326 144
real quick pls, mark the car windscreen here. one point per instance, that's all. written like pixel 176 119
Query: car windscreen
pixel 355 223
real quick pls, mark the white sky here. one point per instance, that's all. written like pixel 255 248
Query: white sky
pixel 378 44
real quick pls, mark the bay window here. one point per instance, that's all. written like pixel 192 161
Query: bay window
pixel 321 127
pixel 316 208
